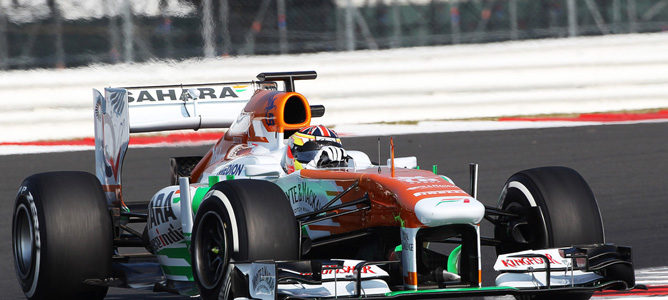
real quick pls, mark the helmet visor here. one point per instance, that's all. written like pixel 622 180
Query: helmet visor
pixel 309 150
pixel 305 156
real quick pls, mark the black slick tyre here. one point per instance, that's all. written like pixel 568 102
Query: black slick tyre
pixel 240 220
pixel 557 209
pixel 61 236
pixel 566 212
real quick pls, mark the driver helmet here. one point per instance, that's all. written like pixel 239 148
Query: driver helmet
pixel 305 145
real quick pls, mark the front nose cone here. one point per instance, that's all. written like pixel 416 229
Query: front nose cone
pixel 439 211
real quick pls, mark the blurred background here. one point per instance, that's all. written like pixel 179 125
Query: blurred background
pixel 71 33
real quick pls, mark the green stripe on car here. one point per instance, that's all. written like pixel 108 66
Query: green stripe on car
pixel 178 270
pixel 198 197
pixel 473 289
pixel 182 253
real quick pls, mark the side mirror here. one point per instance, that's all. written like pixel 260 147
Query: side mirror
pixel 409 162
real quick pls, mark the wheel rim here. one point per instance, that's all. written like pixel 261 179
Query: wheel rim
pixel 211 255
pixel 526 231
pixel 534 233
pixel 23 240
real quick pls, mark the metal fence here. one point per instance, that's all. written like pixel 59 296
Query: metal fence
pixel 67 33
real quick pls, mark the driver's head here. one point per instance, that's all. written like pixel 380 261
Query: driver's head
pixel 316 147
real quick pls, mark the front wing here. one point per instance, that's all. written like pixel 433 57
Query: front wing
pixel 593 268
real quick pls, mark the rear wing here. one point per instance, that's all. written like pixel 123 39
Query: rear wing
pixel 189 106
pixel 121 111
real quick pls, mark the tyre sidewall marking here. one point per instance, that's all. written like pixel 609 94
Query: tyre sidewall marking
pixel 25 194
pixel 518 185
pixel 532 202
pixel 230 214
pixel 227 282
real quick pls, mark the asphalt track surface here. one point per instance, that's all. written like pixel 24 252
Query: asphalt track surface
pixel 625 165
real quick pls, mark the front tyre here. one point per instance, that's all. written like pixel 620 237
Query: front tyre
pixel 557 209
pixel 240 220
pixel 61 236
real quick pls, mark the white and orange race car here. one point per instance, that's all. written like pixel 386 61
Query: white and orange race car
pixel 236 223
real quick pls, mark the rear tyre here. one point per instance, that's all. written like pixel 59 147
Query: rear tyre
pixel 557 209
pixel 240 220
pixel 61 236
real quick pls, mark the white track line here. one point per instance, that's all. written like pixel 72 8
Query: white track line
pixel 652 276
pixel 574 75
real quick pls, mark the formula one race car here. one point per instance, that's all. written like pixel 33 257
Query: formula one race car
pixel 248 220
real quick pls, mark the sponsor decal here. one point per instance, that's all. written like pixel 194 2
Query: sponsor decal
pixel 429 193
pixel 153 95
pixel 408 256
pixel 238 151
pixel 348 270
pixel 263 282
pixel 445 201
pixel 172 236
pixel 418 179
pixel 240 88
pixel 327 138
pixel 232 169
pixel 452 199
pixel 160 211
pixel 98 111
pixel 118 105
pixel 302 194
pixel 429 186
pixel 406 242
pixel 36 256
pixel 33 212
pixel 527 261
pixel 269 115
